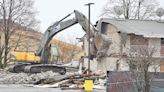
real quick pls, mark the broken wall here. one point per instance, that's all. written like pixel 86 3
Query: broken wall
pixel 121 43
pixel 110 61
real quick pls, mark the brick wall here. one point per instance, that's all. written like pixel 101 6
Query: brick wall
pixel 138 40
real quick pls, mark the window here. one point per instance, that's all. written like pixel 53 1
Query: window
pixel 162 41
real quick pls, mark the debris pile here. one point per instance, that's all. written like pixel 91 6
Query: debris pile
pixel 24 78
pixel 50 79
pixel 75 81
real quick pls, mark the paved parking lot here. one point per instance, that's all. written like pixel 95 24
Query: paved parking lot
pixel 20 88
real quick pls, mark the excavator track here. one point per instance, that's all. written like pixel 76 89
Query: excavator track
pixel 36 68
pixel 43 68
pixel 17 68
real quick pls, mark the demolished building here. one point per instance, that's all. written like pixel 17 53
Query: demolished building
pixel 127 35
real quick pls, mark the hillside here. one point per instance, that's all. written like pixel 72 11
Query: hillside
pixel 29 41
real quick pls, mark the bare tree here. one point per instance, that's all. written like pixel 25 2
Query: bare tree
pixel 68 49
pixel 131 9
pixel 15 15
pixel 140 59
pixel 71 50
pixel 74 48
pixel 25 40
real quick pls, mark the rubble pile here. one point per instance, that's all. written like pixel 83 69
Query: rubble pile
pixel 23 78
pixel 50 79
pixel 75 81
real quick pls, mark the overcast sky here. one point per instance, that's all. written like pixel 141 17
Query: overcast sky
pixel 53 10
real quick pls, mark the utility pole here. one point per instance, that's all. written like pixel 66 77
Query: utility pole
pixel 89 4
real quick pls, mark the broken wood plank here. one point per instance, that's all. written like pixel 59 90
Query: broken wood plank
pixel 99 87
pixel 67 88
pixel 55 85
pixel 73 87
pixel 57 78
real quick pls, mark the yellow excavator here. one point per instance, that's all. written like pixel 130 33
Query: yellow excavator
pixel 40 60
pixel 23 56
pixel 17 57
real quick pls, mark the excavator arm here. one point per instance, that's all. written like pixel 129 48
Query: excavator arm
pixel 60 26
pixel 51 31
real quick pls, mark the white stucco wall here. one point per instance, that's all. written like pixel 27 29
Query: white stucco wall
pixel 155 43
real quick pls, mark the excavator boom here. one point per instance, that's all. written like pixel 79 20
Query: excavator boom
pixel 60 26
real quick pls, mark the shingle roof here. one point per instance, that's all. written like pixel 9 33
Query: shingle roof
pixel 147 28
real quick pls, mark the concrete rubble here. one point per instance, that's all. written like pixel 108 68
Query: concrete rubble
pixel 24 78
pixel 50 79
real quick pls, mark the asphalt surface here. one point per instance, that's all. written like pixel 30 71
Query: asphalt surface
pixel 157 86
pixel 27 88
pixel 22 88
pixel 158 83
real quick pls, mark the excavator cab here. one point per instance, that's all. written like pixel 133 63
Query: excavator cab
pixel 17 57
pixel 50 55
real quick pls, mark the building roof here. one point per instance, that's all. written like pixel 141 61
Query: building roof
pixel 147 28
